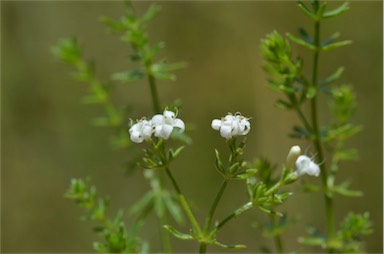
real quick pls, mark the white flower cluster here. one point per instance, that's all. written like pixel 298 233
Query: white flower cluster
pixel 302 163
pixel 232 125
pixel 305 165
pixel 161 125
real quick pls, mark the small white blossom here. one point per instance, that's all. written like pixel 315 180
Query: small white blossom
pixel 305 165
pixel 232 125
pixel 164 124
pixel 140 131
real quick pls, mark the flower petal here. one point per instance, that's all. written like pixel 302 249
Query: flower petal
pixel 178 123
pixel 136 137
pixel 216 124
pixel 225 131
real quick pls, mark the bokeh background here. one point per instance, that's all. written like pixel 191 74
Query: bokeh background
pixel 47 137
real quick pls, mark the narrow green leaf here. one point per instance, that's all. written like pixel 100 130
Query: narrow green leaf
pixel 174 209
pixel 114 25
pixel 128 76
pixel 178 151
pixel 336 45
pixel 219 164
pixel 143 204
pixel 283 104
pixel 330 40
pixel 314 241
pixel 335 76
pixel 229 246
pixel 301 41
pixel 336 12
pixel 247 174
pixel 177 234
pixel 152 11
pixel 305 35
pixel 306 10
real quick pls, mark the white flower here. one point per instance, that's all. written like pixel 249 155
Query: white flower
pixel 305 165
pixel 140 131
pixel 164 124
pixel 232 125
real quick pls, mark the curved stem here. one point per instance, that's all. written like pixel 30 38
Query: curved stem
pixel 184 202
pixel 316 140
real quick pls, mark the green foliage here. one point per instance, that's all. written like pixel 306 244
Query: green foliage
pixel 348 238
pixel 70 52
pixel 118 239
pixel 133 31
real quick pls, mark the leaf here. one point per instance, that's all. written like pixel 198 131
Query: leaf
pixel 342 189
pixel 128 76
pixel 336 45
pixel 114 25
pixel 347 154
pixel 247 174
pixel 229 246
pixel 330 40
pixel 299 132
pixel 301 41
pixel 177 234
pixel 307 11
pixel 305 35
pixel 311 187
pixel 144 205
pixel 315 241
pixel 152 11
pixel 333 77
pixel 283 104
pixel 336 12
pixel 174 209
pixel 219 164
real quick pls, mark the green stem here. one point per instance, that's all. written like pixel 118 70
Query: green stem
pixel 154 93
pixel 208 221
pixel 184 203
pixel 316 140
pixel 165 237
pixel 203 247
pixel 277 237
pixel 214 205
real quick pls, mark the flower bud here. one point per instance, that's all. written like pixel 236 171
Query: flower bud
pixel 293 154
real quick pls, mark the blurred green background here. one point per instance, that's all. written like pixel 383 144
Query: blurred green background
pixel 47 136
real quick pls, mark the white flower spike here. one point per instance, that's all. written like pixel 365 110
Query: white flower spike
pixel 164 124
pixel 232 125
pixel 140 131
pixel 305 165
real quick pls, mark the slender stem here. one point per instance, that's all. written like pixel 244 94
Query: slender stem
pixel 183 202
pixel 277 237
pixel 154 94
pixel 165 237
pixel 208 221
pixel 316 140
pixel 214 205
